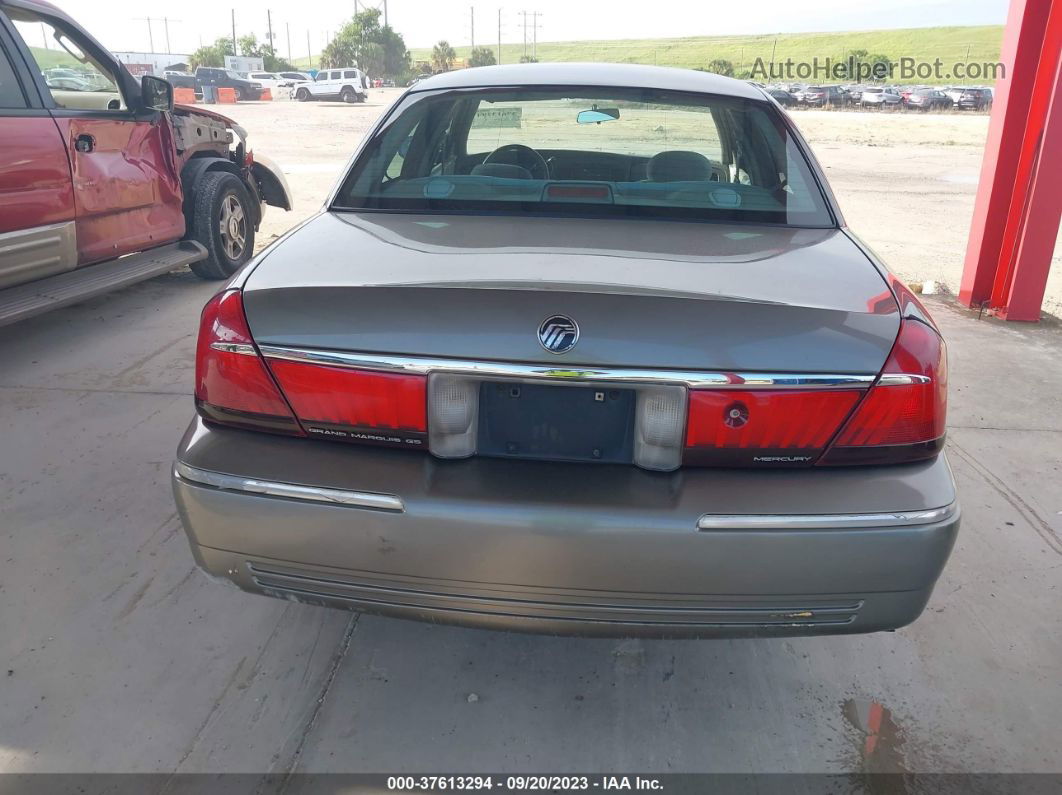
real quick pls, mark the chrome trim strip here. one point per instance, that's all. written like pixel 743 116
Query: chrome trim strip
pixel 234 347
pixel 904 379
pixel 423 365
pixel 829 521
pixel 357 499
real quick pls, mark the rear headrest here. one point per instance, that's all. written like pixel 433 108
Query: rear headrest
pixel 502 170
pixel 678 166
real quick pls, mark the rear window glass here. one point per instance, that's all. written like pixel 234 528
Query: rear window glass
pixel 615 152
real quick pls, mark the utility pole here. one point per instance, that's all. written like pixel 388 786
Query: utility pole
pixel 269 27
pixel 309 51
pixel 234 31
pixel 472 22
pixel 287 27
pixel 499 37
pixel 166 23
pixel 524 15
pixel 151 39
pixel 385 13
pixel 534 33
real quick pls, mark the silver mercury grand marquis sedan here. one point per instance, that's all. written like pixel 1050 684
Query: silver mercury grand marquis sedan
pixel 575 348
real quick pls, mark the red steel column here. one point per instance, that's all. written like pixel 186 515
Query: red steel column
pixel 1018 292
pixel 1001 172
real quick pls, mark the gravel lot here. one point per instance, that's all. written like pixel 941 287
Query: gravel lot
pixel 117 654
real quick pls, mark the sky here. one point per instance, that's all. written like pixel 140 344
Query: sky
pixel 121 24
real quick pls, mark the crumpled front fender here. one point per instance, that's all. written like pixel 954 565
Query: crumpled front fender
pixel 273 187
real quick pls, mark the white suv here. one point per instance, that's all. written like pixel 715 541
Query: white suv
pixel 348 84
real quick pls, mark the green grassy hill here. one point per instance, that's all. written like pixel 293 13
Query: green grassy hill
pixel 950 44
pixel 48 59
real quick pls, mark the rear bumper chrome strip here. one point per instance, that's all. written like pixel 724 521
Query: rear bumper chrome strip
pixel 829 521
pixel 357 499
pixel 627 375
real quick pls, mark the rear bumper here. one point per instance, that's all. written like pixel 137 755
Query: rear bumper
pixel 569 549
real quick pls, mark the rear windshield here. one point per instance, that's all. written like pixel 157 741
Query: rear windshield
pixel 614 152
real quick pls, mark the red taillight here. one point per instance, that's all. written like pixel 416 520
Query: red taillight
pixel 232 385
pixel 757 427
pixel 902 417
pixel 355 404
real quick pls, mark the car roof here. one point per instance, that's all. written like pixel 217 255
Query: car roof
pixel 591 74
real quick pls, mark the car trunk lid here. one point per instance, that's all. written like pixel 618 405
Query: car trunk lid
pixel 645 294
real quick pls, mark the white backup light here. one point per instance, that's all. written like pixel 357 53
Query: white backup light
pixel 659 427
pixel 453 415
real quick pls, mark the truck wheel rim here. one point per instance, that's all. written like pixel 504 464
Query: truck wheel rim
pixel 233 227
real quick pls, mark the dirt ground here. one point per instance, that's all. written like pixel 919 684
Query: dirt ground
pixel 905 181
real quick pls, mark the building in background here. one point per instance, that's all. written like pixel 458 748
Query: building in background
pixel 153 63
pixel 244 64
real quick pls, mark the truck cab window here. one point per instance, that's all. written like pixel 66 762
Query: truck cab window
pixel 75 80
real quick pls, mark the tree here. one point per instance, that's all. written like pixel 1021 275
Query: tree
pixel 482 56
pixel 212 54
pixel 442 57
pixel 721 66
pixel 879 66
pixel 528 59
pixel 251 48
pixel 363 42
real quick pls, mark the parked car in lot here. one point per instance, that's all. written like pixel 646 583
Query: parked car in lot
pixel 348 84
pixel 875 97
pixel 854 95
pixel 103 188
pixel 821 96
pixel 566 376
pixel 295 77
pixel 180 80
pixel 784 98
pixel 928 99
pixel 974 99
pixel 271 80
pixel 227 78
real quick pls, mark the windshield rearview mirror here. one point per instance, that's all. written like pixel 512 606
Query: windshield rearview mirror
pixel 597 115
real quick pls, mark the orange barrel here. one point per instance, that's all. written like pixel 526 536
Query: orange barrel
pixel 227 95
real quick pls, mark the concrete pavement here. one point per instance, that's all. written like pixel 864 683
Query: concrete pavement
pixel 116 654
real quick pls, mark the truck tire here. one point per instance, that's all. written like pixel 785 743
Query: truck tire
pixel 222 222
pixel 348 95
pixel 302 95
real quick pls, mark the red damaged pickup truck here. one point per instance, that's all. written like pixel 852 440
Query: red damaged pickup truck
pixel 103 181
